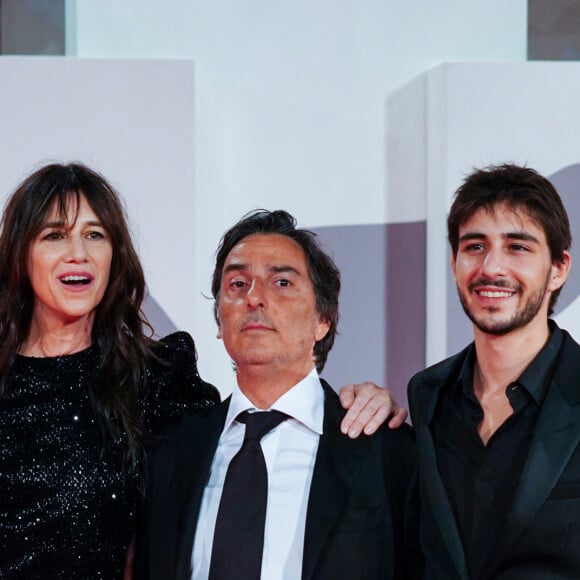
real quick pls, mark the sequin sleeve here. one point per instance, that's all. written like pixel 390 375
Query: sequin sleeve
pixel 174 387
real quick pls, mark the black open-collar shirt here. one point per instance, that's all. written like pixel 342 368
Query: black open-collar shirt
pixel 481 480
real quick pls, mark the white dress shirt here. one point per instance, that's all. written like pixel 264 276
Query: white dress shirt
pixel 290 452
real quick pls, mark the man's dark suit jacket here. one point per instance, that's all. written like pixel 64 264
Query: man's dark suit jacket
pixel 541 538
pixel 355 525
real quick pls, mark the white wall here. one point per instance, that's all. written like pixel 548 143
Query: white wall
pixel 291 99
pixel 530 117
pixel 130 120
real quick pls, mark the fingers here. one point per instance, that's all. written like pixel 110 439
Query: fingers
pixel 371 407
pixel 399 417
pixel 347 396
pixel 358 414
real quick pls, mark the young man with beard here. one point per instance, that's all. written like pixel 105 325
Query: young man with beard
pixel 498 424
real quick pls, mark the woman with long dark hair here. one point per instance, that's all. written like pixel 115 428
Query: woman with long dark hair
pixel 81 383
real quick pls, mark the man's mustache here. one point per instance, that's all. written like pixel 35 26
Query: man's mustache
pixel 256 318
pixel 500 283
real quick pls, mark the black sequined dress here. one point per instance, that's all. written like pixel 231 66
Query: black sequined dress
pixel 67 508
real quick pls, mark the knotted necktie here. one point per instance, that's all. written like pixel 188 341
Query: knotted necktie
pixel 238 539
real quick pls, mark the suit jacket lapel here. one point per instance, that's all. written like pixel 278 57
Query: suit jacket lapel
pixel 339 461
pixel 194 458
pixel 556 436
pixel 432 483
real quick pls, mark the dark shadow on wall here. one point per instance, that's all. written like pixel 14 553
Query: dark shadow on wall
pixel 161 323
pixel 406 297
pixel 359 350
pixel 567 183
pixel 382 306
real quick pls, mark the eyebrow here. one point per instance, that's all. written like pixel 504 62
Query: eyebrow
pixel 509 236
pixel 238 267
pixel 62 223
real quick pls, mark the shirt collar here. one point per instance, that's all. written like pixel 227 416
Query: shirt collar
pixel 304 402
pixel 465 378
pixel 536 376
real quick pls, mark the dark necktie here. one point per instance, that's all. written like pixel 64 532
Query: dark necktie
pixel 238 540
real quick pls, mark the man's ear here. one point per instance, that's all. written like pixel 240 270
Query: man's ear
pixel 560 270
pixel 321 330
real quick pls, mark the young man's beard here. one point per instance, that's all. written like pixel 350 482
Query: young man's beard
pixel 519 319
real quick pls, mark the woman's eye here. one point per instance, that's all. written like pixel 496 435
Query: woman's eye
pixel 52 236
pixel 95 236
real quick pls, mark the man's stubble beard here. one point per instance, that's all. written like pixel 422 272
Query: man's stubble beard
pixel 520 318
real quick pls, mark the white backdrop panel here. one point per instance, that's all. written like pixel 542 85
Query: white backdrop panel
pixel 476 115
pixel 132 120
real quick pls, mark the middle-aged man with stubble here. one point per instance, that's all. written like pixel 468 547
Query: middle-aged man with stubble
pixel 265 485
pixel 498 424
